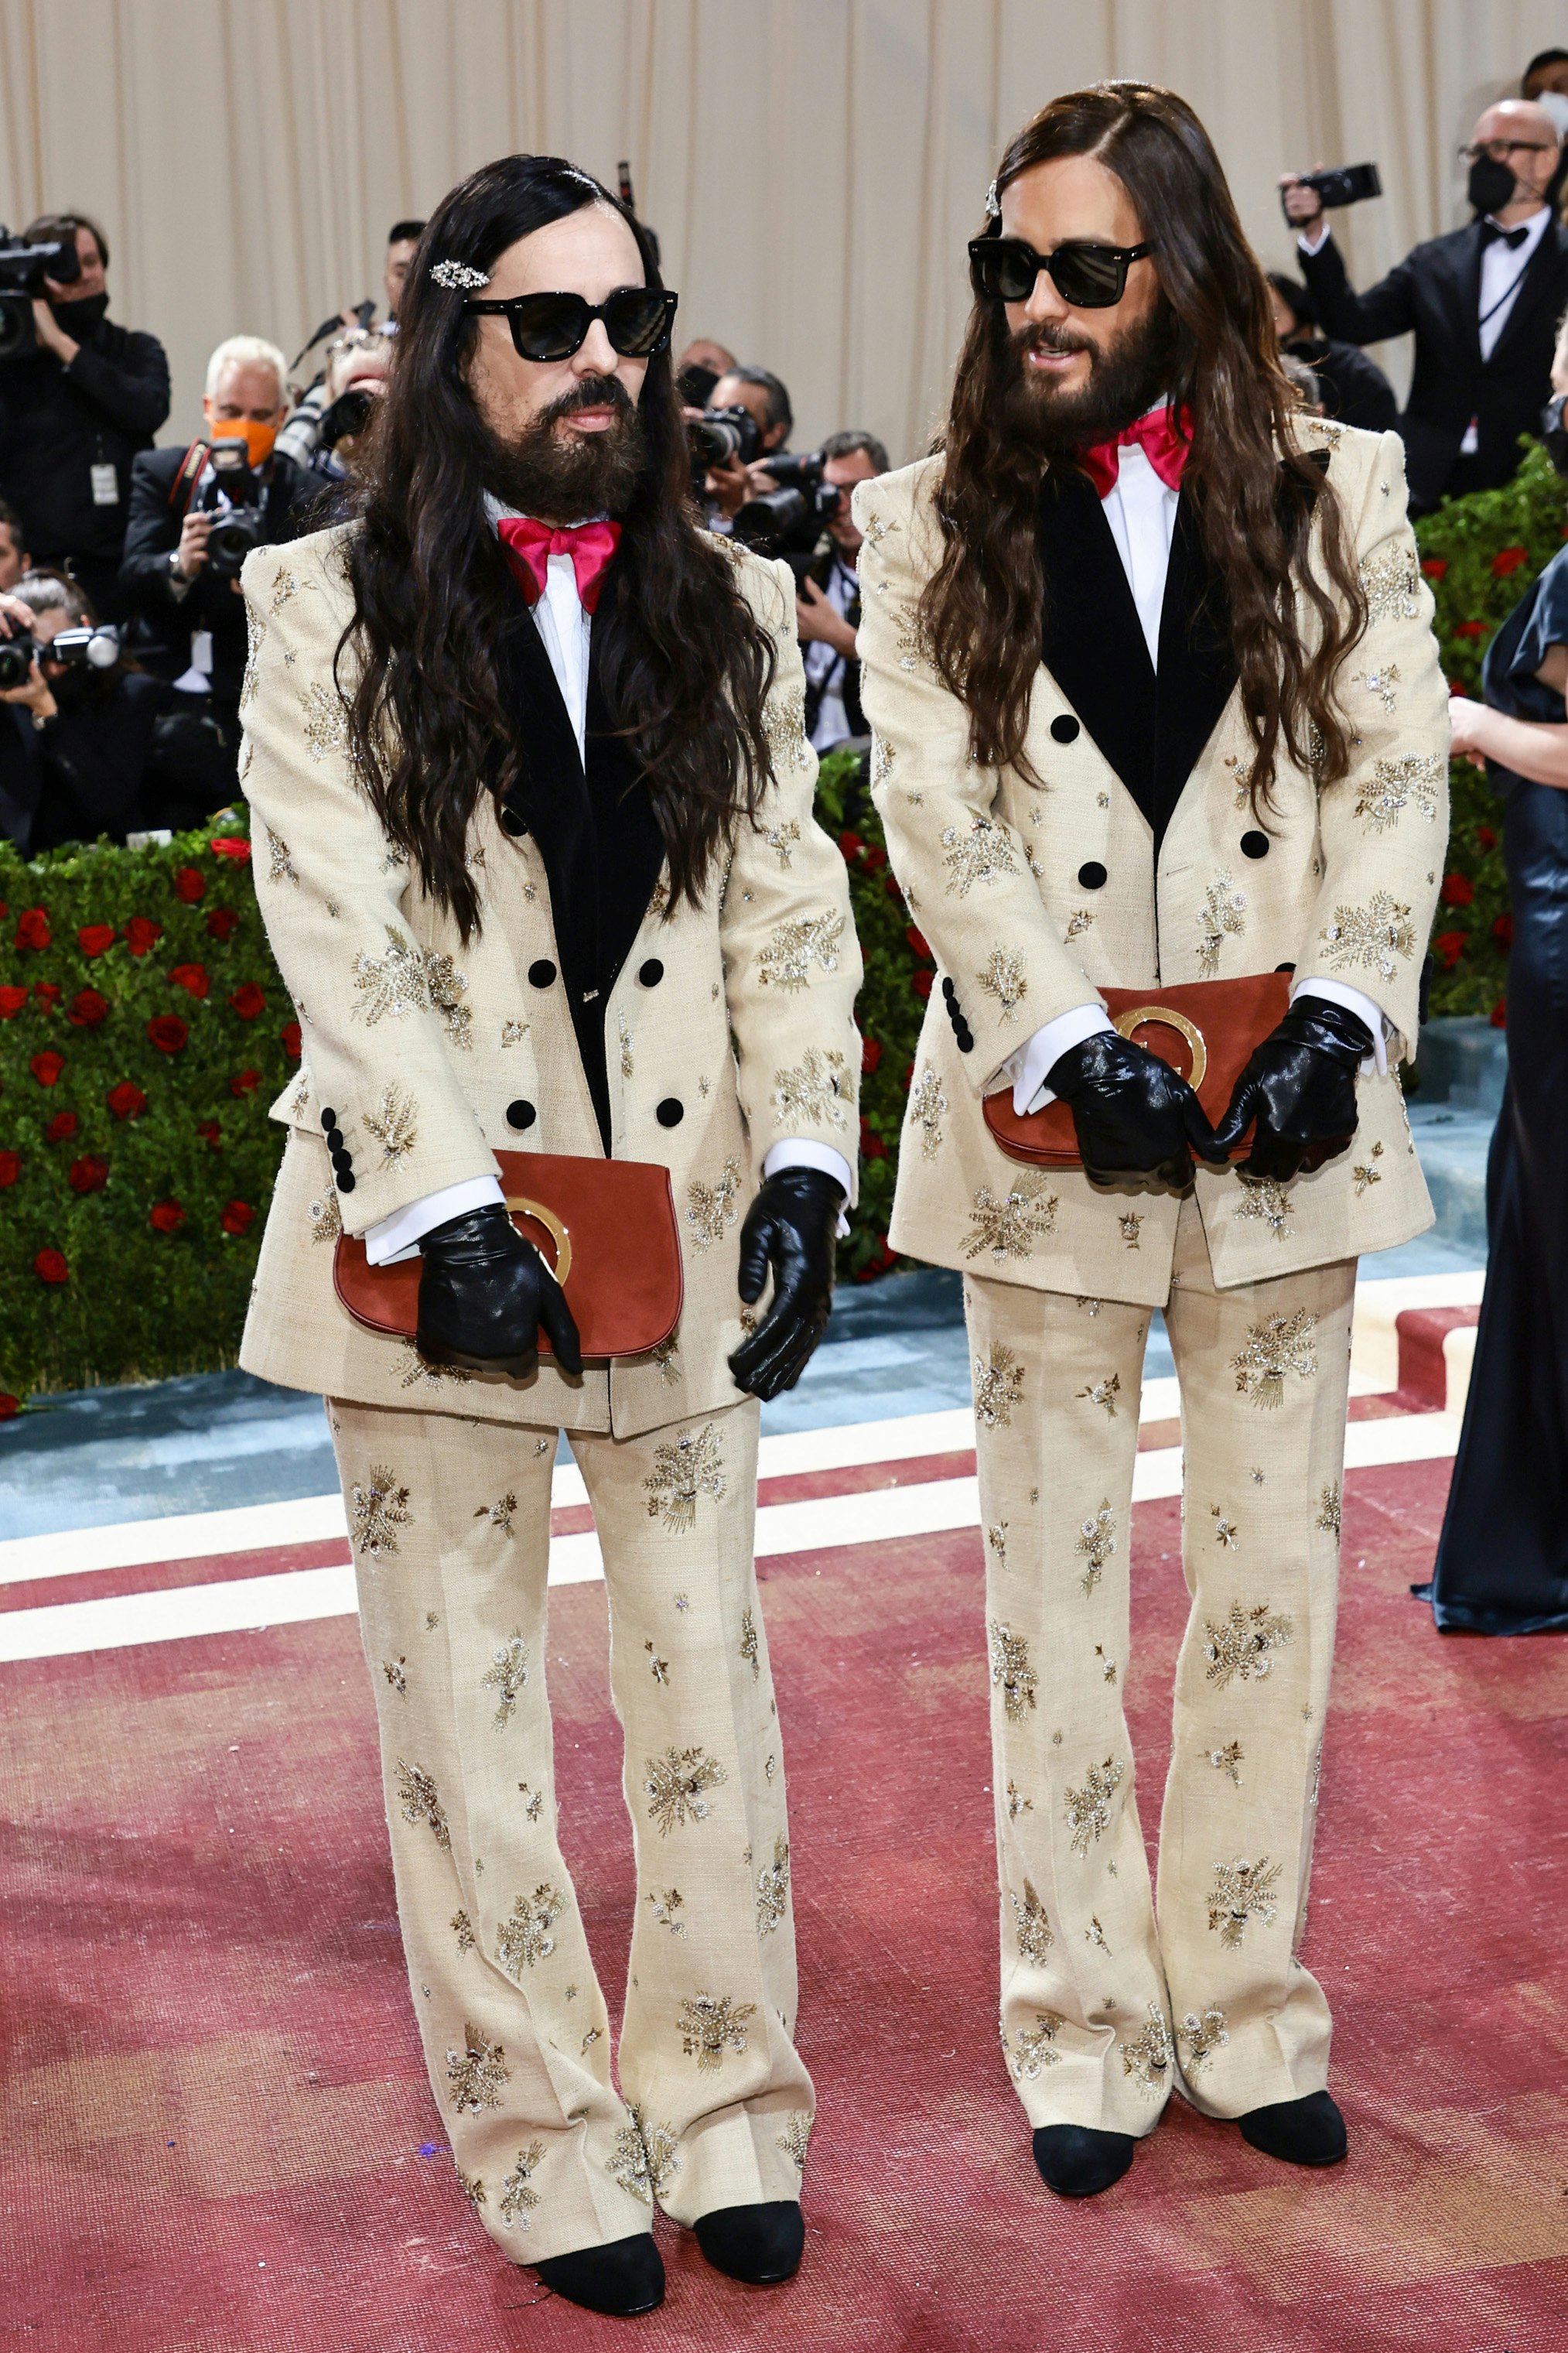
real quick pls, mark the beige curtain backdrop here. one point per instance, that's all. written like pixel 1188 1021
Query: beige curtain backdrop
pixel 813 167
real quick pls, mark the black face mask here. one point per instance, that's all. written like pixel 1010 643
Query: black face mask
pixel 1554 433
pixel 76 318
pixel 1490 186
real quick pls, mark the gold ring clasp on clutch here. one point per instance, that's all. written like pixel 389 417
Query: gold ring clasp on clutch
pixel 1138 1015
pixel 560 1234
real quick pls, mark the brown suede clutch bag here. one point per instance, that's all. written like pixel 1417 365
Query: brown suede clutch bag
pixel 1204 1029
pixel 607 1228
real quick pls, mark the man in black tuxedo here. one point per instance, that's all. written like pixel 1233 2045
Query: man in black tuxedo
pixel 1482 302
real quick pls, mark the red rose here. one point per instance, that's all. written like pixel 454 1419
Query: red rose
pixel 63 1126
pixel 891 885
pixel 245 1083
pixel 192 977
pixel 230 846
pixel 94 938
pixel 851 844
pixel 125 1100
pixel 9 1405
pixel 48 992
pixel 1509 559
pixel 1456 686
pixel 1434 567
pixel 222 922
pixel 163 1217
pixel 875 859
pixel 922 984
pixel 10 1167
pixel 168 1033
pixel 1486 837
pixel 1499 1014
pixel 239 1217
pixel 140 933
pixel 1502 929
pixel 1457 889
pixel 247 1000
pixel 917 939
pixel 289 1037
pixel 210 1132
pixel 31 928
pixel 12 1000
pixel 89 1174
pixel 1469 629
pixel 190 886
pixel 47 1067
pixel 49 1266
pixel 1451 946
pixel 87 1009
pixel 871 1055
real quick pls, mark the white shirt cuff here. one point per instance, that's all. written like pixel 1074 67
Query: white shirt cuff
pixel 1314 244
pixel 800 1152
pixel 1354 1002
pixel 1027 1068
pixel 398 1236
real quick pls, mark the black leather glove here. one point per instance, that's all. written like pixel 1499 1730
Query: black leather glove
pixel 791 1227
pixel 1137 1120
pixel 484 1290
pixel 1300 1086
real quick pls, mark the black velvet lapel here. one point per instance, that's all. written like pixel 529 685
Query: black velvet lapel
pixel 1465 288
pixel 1198 665
pixel 1538 290
pixel 1093 644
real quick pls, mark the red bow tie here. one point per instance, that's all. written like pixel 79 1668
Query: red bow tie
pixel 1166 437
pixel 529 545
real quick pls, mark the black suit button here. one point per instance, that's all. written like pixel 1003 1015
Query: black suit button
pixel 947 989
pixel 511 823
pixel 334 1139
pixel 670 1113
pixel 651 973
pixel 345 1180
pixel 1064 727
pixel 342 1157
pixel 966 1038
pixel 541 973
pixel 1255 845
pixel 520 1114
pixel 329 1119
pixel 1092 875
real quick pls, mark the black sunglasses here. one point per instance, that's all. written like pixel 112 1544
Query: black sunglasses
pixel 637 321
pixel 1090 277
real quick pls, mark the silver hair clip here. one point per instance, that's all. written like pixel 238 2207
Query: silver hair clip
pixel 457 276
pixel 992 203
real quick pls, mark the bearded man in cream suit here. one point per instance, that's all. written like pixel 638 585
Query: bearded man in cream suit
pixel 1155 700
pixel 536 855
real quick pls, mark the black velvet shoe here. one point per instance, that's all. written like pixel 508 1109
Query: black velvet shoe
pixel 759 2244
pixel 1076 2161
pixel 623 2277
pixel 1309 2131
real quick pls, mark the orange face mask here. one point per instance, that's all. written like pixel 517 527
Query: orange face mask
pixel 257 438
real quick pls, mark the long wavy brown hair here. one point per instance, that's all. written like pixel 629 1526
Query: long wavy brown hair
pixel 1264 520
pixel 684 664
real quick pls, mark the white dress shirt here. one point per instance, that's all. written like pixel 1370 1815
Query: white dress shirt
pixel 825 665
pixel 564 625
pixel 1141 512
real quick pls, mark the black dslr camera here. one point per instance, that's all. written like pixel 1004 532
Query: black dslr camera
pixel 91 646
pixel 241 526
pixel 22 269
pixel 719 435
pixel 790 521
pixel 1347 184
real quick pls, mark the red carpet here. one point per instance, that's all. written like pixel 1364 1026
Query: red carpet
pixel 216 2125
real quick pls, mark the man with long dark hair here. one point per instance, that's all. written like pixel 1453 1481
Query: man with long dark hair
pixel 535 850
pixel 1155 700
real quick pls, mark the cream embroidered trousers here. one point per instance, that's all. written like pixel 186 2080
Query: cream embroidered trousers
pixel 451 1523
pixel 1102 2009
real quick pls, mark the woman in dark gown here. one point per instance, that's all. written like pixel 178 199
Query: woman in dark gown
pixel 1503 1560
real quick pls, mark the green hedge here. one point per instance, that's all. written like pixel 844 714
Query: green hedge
pixel 144 1029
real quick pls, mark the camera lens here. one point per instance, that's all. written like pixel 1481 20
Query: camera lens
pixel 15 661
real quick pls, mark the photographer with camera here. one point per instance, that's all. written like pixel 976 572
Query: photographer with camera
pixel 827 594
pixel 80 397
pixel 748 418
pixel 197 514
pixel 91 738
pixel 1482 302
pixel 352 383
pixel 1354 388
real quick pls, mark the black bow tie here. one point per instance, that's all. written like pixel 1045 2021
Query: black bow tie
pixel 1491 234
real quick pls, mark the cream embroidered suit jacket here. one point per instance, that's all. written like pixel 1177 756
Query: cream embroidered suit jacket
pixel 419 1044
pixel 991 867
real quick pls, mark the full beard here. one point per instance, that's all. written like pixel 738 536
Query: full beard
pixel 1126 377
pixel 562 475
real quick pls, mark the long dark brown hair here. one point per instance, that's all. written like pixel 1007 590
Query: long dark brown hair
pixel 1254 495
pixel 683 663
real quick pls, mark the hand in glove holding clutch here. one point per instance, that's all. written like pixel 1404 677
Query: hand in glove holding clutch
pixel 792 1228
pixel 484 1290
pixel 1300 1086
pixel 1136 1119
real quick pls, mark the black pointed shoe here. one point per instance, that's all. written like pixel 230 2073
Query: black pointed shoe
pixel 1309 2131
pixel 759 2244
pixel 623 2277
pixel 1077 2161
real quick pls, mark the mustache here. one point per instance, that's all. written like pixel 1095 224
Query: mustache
pixel 1045 336
pixel 589 392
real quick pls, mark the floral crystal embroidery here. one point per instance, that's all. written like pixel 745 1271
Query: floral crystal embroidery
pixel 644 2158
pixel 498 1514
pixel 326 721
pixel 1329 1510
pixel 1374 937
pixel 998 1388
pixel 1003 978
pixel 1035 1936
pixel 773 1889
pixel 517 2194
pixel 393 985
pixel 506 1676
pixel 395 1124
pixel 1030 2052
pixel 1010 1671
pixel 279 865
pixel 1147 2058
pixel 711 2024
pixel 816 1091
pixel 692 1467
pixel 1105 1393
pixel 795 2139
pixel 477 2072
pixel 677 1785
pixel 326 1220
pixel 463 1930
pixel 666 1904
pixel 446 987
pixel 1089 1809
pixel 1267 1202
pixel 784 723
pixel 1201 2038
pixel 711 1209
pixel 787 959
pixel 781 839
pixel 1243 1643
pixel 984 854
pixel 524 1937
pixel 928 1105
pixel 1096 1543
pixel 750 1650
pixel 1229 1761
pixel 377 1510
pixel 420 1801
pixel 1277 1348
pixel 1390 581
pixel 1243 1892
pixel 1008 1225
pixel 1367 1175
pixel 1224 917
pixel 1415 781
